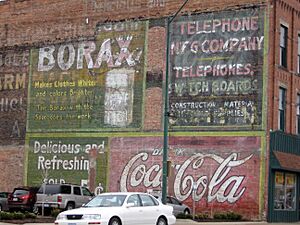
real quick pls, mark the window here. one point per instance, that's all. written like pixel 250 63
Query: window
pixel 76 191
pixel 65 189
pixel 175 201
pixel 283 46
pixel 298 114
pixel 86 192
pixel 135 200
pixel 285 191
pixel 147 200
pixel 298 58
pixel 281 113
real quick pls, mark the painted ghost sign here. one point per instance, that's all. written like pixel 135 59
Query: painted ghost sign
pixel 14 66
pixel 89 84
pixel 55 159
pixel 217 69
pixel 225 170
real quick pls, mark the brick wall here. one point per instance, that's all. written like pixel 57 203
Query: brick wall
pixel 11 167
pixel 288 14
pixel 28 24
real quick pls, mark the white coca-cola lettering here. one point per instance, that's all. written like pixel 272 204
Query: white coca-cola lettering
pixel 219 187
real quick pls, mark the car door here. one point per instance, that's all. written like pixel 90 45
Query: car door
pixel 133 215
pixel 77 196
pixel 86 195
pixel 177 206
pixel 151 210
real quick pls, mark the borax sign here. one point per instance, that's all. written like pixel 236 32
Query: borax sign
pixel 217 69
pixel 89 84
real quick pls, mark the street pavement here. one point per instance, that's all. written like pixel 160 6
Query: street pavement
pixel 191 222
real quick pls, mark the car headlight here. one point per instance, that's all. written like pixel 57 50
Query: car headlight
pixel 91 216
pixel 61 217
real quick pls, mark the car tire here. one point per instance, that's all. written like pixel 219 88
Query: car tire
pixel 161 221
pixel 186 212
pixel 0 208
pixel 115 221
pixel 70 206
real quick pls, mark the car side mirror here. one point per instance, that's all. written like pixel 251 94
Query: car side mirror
pixel 129 205
pixel 83 205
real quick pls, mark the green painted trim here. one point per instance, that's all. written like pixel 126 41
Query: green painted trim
pixel 26 160
pixel 149 134
pixel 145 72
pixel 107 165
pixel 27 120
pixel 265 69
pixel 87 130
pixel 262 179
pixel 29 89
pixel 219 127
pixel 264 116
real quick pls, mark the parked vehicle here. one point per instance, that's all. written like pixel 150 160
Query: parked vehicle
pixel 62 196
pixel 3 201
pixel 22 199
pixel 177 205
pixel 120 209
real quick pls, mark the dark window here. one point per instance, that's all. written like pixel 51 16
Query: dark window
pixel 76 190
pixel 298 58
pixel 86 192
pixel 3 195
pixel 168 200
pixel 175 201
pixel 285 191
pixel 283 45
pixel 20 192
pixel 281 113
pixel 298 114
pixel 66 189
pixel 55 189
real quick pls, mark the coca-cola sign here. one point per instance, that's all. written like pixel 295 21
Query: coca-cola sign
pixel 223 171
pixel 136 173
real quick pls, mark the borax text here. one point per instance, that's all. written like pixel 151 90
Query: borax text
pixel 68 55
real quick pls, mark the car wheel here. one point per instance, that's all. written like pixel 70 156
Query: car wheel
pixel 161 221
pixel 115 221
pixel 70 206
pixel 186 212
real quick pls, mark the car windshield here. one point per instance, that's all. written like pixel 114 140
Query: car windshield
pixel 107 201
pixel 20 192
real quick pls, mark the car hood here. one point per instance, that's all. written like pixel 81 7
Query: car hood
pixel 90 210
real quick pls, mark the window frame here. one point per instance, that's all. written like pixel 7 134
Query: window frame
pixel 281 108
pixel 298 55
pixel 298 114
pixel 283 44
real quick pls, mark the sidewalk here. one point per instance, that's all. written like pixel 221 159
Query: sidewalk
pixel 190 222
pixel 183 222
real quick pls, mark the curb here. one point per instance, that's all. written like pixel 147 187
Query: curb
pixel 189 221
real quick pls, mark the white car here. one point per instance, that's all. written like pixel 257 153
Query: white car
pixel 120 208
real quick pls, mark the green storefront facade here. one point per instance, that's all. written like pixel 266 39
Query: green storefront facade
pixel 284 177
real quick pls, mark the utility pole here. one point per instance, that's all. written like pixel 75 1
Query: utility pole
pixel 166 108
